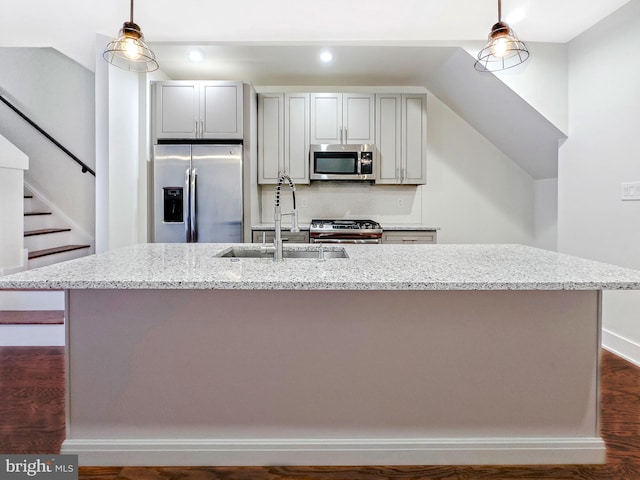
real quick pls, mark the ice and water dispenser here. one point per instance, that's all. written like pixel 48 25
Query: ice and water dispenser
pixel 173 202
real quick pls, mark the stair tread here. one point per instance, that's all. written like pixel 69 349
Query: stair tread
pixel 29 214
pixel 32 317
pixel 52 251
pixel 44 231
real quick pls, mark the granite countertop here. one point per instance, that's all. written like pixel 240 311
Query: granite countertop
pixel 370 267
pixel 409 227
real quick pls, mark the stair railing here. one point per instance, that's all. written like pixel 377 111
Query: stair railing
pixel 85 168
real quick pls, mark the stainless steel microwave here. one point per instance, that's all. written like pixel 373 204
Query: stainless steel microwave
pixel 342 162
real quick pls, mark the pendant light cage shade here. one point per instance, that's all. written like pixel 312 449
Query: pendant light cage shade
pixel 129 51
pixel 503 49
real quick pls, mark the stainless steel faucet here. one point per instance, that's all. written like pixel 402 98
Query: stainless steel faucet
pixel 277 216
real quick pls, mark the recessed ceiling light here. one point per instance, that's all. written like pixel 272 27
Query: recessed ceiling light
pixel 326 57
pixel 196 56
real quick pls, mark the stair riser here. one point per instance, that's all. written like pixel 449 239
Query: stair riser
pixel 32 335
pixel 58 257
pixel 28 205
pixel 31 300
pixel 49 240
pixel 37 222
pixel 34 203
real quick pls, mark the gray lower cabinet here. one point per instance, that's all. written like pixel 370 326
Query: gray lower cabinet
pixel 288 237
pixel 410 236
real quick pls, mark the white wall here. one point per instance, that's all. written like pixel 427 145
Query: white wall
pixel 13 163
pixel 123 154
pixel 474 192
pixel 600 153
pixel 543 81
pixel 546 213
pixel 57 94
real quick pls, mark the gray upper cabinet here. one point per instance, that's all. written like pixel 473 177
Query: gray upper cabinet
pixel 283 137
pixel 342 118
pixel 198 109
pixel 401 132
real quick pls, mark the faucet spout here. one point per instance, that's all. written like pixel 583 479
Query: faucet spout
pixel 277 216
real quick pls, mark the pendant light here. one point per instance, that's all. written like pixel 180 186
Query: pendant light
pixel 503 50
pixel 129 51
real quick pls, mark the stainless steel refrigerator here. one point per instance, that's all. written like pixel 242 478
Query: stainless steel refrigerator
pixel 197 193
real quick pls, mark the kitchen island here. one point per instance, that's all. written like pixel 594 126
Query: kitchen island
pixel 398 354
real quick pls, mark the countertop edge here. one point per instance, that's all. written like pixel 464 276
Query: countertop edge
pixel 351 286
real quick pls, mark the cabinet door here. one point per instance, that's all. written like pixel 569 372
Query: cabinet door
pixel 389 137
pixel 176 105
pixel 326 118
pixel 270 137
pixel 296 136
pixel 221 110
pixel 414 139
pixel 358 118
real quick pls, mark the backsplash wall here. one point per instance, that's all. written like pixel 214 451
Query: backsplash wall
pixel 386 204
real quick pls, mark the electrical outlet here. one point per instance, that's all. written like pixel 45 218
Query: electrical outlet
pixel 400 203
pixel 304 203
pixel 630 191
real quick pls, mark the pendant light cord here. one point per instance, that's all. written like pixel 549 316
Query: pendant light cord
pixel 499 10
pixel 131 11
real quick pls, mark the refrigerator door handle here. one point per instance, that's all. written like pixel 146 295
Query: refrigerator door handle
pixel 193 208
pixel 187 220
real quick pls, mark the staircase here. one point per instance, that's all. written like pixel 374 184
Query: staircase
pixel 47 237
pixel 32 318
pixel 36 317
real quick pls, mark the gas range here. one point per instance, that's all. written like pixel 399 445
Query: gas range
pixel 345 231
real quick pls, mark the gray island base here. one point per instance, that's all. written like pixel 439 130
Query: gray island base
pixel 248 370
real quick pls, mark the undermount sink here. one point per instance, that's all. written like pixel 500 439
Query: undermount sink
pixel 241 252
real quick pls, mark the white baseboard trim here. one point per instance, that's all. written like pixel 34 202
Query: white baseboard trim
pixel 252 452
pixel 621 346
pixel 32 335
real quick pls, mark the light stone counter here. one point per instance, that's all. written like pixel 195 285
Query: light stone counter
pixel 409 227
pixel 369 267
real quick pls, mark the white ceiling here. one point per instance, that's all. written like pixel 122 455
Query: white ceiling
pixel 300 65
pixel 71 25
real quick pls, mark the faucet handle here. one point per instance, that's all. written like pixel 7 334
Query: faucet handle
pixel 294 221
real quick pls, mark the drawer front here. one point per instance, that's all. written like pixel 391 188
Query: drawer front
pixel 288 237
pixel 409 237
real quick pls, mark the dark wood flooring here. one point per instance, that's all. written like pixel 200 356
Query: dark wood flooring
pixel 32 317
pixel 32 421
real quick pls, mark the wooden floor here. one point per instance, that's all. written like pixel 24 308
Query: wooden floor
pixel 32 421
